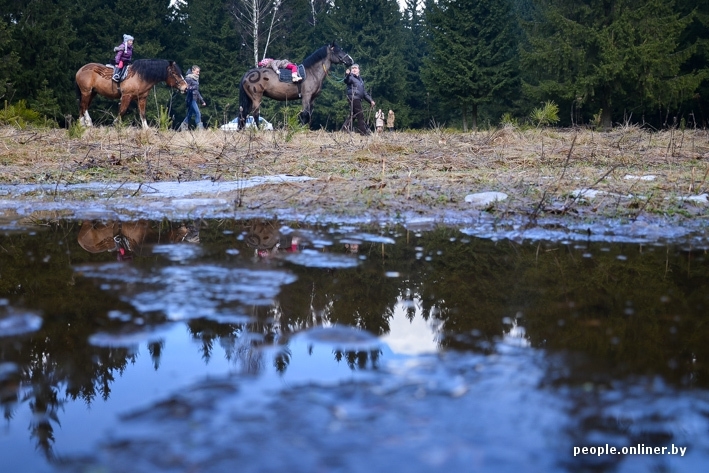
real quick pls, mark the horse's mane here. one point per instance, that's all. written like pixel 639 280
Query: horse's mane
pixel 153 69
pixel 316 57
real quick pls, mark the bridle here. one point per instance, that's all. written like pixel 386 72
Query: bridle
pixel 174 75
pixel 345 58
pixel 342 60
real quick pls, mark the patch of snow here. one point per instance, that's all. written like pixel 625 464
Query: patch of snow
pixel 585 193
pixel 648 177
pixel 699 199
pixel 483 199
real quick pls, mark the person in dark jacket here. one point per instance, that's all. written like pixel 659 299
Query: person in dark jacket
pixel 193 97
pixel 355 93
pixel 124 55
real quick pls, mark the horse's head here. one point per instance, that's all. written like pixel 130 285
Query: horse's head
pixel 338 56
pixel 174 77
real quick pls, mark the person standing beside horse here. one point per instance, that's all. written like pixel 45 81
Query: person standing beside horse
pixel 355 93
pixel 277 64
pixel 124 55
pixel 193 96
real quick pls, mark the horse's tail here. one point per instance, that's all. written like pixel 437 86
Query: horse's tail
pixel 245 102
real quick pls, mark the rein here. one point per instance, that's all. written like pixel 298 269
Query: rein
pixel 327 74
pixel 330 76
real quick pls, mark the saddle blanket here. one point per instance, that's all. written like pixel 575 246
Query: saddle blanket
pixel 284 75
pixel 124 72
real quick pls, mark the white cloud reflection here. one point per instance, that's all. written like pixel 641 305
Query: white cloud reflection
pixel 414 337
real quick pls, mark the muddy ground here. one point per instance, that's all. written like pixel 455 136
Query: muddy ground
pixel 628 173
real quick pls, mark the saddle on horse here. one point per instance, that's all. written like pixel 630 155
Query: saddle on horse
pixel 119 74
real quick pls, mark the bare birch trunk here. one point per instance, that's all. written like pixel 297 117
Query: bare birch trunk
pixel 249 14
pixel 256 20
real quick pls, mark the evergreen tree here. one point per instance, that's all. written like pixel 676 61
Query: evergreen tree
pixel 212 40
pixel 473 54
pixel 371 31
pixel 696 38
pixel 298 37
pixel 42 41
pixel 611 58
pixel 146 21
pixel 416 43
pixel 9 63
pixel 96 30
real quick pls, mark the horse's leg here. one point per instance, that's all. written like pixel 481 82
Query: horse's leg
pixel 306 113
pixel 256 111
pixel 141 109
pixel 84 117
pixel 304 117
pixel 123 108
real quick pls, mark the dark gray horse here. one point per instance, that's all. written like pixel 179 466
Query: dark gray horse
pixel 264 82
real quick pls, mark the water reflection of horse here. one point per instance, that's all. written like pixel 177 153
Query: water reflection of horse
pixel 143 74
pixel 127 237
pixel 266 239
pixel 264 81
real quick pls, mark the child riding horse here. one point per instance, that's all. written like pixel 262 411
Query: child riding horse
pixel 277 64
pixel 124 55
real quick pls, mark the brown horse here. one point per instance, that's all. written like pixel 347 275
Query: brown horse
pixel 263 81
pixel 142 75
pixel 125 238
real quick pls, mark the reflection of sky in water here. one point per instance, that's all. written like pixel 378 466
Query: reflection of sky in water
pixel 15 322
pixel 181 365
pixel 444 410
pixel 410 337
pixel 194 291
pixel 317 259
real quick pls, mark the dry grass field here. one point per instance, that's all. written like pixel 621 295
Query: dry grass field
pixel 625 172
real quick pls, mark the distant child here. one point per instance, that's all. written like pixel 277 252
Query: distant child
pixel 390 120
pixel 124 55
pixel 276 64
pixel 380 120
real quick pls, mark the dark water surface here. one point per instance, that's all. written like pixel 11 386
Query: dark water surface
pixel 225 345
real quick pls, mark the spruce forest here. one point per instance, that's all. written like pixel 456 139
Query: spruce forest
pixel 463 64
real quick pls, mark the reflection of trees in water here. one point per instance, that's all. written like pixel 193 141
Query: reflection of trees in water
pixel 359 359
pixel 357 297
pixel 640 313
pixel 240 342
pixel 44 404
pixel 56 364
pixel 630 308
pixel 155 349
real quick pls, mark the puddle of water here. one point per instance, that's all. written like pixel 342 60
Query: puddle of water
pixel 425 346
